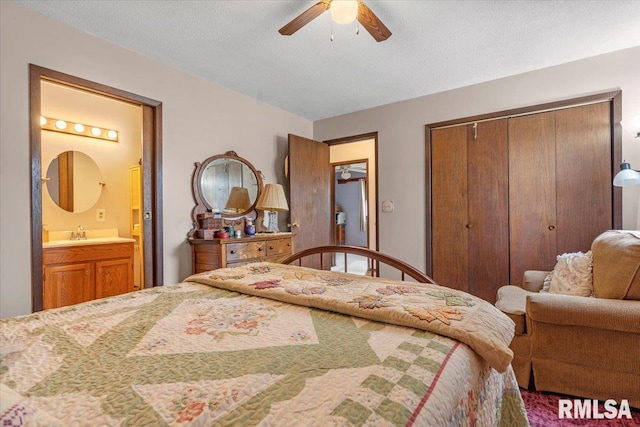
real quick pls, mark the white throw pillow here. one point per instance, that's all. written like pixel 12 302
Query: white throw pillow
pixel 572 275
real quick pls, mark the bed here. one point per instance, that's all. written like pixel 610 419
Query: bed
pixel 270 345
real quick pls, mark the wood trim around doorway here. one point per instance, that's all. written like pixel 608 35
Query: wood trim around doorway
pixel 152 154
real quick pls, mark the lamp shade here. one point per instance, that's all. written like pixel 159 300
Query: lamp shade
pixel 627 176
pixel 272 199
pixel 238 200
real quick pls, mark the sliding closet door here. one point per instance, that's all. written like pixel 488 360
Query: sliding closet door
pixel 583 182
pixel 532 193
pixel 560 194
pixel 449 207
pixel 470 207
pixel 488 226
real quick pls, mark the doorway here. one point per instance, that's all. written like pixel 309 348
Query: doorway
pixel 148 154
pixel 354 192
pixel 311 175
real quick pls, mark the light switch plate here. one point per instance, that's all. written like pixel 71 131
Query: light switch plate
pixel 387 206
pixel 101 215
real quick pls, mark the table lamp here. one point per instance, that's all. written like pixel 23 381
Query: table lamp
pixel 272 199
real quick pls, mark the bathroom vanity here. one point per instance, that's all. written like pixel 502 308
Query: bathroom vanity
pixel 82 270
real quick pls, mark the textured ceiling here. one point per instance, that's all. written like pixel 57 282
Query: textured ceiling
pixel 435 46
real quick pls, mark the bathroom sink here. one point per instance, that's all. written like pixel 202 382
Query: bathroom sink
pixel 94 241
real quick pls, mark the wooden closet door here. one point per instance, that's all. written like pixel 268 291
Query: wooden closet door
pixel 532 194
pixel 470 207
pixel 450 240
pixel 488 217
pixel 583 175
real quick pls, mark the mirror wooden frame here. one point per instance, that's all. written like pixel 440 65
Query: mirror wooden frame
pixel 202 205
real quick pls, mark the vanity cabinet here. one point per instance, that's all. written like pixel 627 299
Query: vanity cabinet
pixel 210 254
pixel 74 274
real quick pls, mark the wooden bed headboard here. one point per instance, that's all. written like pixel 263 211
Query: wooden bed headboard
pixel 374 259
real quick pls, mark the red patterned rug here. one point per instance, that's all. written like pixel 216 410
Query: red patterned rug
pixel 542 410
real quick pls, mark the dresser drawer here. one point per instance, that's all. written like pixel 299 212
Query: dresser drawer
pixel 277 247
pixel 209 254
pixel 245 251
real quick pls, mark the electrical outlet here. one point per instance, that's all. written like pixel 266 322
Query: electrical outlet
pixel 101 215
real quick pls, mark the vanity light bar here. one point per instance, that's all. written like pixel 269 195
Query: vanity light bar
pixel 73 128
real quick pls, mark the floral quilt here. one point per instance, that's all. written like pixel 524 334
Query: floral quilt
pixel 430 307
pixel 191 354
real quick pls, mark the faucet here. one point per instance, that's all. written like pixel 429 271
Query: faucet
pixel 81 234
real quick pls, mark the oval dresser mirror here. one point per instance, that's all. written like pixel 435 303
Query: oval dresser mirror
pixel 74 181
pixel 226 184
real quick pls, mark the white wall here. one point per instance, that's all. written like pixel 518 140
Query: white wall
pixel 401 134
pixel 200 119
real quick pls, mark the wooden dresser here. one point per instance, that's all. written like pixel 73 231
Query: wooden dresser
pixel 210 254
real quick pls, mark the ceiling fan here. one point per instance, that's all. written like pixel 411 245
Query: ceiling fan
pixel 342 11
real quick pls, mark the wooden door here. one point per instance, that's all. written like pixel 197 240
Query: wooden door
pixel 488 207
pixel 310 194
pixel 449 207
pixel 583 176
pixel 114 277
pixel 68 284
pixel 532 194
pixel 470 207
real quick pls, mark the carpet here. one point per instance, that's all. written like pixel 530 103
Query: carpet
pixel 542 411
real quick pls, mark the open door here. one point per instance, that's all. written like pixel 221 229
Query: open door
pixel 310 178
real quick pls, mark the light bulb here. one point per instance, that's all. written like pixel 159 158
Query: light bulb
pixel 96 131
pixel 344 11
pixel 43 120
pixel 61 124
pixel 112 134
pixel 78 127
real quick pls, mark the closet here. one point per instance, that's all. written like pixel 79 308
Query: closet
pixel 509 194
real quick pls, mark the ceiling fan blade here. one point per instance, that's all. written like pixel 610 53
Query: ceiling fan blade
pixel 305 17
pixel 372 23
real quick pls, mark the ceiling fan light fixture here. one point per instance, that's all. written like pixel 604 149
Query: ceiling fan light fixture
pixel 344 11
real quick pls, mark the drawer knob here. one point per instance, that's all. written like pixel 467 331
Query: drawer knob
pixel 260 249
pixel 552 227
pixel 233 251
pixel 270 247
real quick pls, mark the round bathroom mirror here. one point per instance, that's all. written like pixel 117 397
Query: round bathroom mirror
pixel 74 181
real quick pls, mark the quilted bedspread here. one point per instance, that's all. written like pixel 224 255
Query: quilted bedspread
pixel 193 354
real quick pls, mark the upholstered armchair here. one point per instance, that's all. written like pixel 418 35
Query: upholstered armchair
pixel 577 345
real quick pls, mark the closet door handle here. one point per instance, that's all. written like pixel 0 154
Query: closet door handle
pixel 552 227
pixel 470 225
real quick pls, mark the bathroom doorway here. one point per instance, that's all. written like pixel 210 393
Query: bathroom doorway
pixel 131 163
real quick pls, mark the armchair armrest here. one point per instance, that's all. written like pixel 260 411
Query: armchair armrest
pixel 600 313
pixel 533 280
